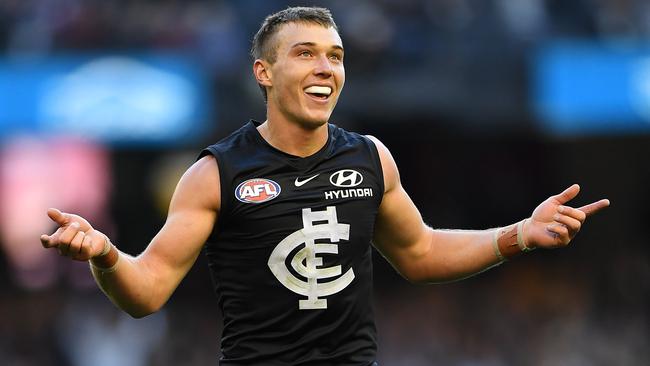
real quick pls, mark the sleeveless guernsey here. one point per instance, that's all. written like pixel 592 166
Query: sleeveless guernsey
pixel 290 254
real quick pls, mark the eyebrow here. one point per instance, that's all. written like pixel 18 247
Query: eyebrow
pixel 312 44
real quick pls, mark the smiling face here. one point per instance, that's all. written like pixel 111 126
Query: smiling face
pixel 305 81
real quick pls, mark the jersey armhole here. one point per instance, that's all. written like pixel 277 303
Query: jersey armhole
pixel 224 187
pixel 374 153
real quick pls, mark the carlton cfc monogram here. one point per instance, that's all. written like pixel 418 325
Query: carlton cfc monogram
pixel 305 261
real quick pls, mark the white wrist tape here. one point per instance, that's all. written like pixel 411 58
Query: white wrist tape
pixel 520 237
pixel 110 269
pixel 107 247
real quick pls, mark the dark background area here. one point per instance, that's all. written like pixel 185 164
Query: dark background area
pixel 446 86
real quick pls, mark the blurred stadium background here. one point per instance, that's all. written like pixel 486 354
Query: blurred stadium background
pixel 488 107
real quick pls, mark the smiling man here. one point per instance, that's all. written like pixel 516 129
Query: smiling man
pixel 288 210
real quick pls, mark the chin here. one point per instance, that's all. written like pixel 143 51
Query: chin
pixel 313 123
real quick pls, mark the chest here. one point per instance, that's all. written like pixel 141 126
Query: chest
pixel 269 200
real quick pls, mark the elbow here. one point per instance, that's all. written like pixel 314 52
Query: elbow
pixel 414 277
pixel 415 280
pixel 422 280
pixel 424 275
pixel 139 312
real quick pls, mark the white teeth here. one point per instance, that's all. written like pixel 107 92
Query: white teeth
pixel 326 90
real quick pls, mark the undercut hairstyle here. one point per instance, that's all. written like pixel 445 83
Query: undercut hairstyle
pixel 266 48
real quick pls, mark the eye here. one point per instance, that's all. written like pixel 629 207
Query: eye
pixel 336 57
pixel 304 54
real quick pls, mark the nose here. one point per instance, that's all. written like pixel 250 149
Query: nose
pixel 323 67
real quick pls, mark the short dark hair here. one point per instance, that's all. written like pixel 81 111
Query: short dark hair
pixel 264 48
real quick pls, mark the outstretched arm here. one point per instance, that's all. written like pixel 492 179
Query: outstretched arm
pixel 141 285
pixel 422 254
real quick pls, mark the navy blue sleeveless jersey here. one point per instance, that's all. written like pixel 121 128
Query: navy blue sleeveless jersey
pixel 290 254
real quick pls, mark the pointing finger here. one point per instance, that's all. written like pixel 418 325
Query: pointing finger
pixel 592 208
pixel 572 212
pixel 568 194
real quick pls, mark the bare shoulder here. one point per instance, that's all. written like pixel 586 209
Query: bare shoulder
pixel 388 165
pixel 206 168
pixel 200 184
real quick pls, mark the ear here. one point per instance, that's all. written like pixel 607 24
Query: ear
pixel 262 72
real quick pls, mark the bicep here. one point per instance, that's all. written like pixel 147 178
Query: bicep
pixel 400 234
pixel 192 214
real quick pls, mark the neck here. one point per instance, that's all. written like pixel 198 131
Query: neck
pixel 293 138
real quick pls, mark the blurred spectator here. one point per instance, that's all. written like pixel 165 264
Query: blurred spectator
pixel 39 173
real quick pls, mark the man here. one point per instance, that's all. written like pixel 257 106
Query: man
pixel 287 210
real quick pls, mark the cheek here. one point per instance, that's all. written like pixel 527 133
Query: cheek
pixel 340 77
pixel 290 86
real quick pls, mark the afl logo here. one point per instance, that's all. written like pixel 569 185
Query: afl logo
pixel 346 178
pixel 257 190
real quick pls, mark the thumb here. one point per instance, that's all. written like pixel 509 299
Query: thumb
pixel 568 194
pixel 57 216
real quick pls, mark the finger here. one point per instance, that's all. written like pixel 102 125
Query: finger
pixel 97 245
pixel 568 194
pixel 592 208
pixel 63 249
pixel 560 231
pixel 57 216
pixel 572 224
pixel 86 247
pixel 69 233
pixel 46 241
pixel 75 244
pixel 572 212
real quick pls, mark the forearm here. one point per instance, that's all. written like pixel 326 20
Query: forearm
pixel 456 254
pixel 126 281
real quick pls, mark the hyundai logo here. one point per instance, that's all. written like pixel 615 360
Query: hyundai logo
pixel 346 178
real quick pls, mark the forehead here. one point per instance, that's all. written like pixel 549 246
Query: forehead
pixel 299 33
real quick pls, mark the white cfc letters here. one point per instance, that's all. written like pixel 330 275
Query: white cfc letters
pixel 305 261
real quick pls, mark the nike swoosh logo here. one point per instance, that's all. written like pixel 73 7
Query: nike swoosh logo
pixel 299 182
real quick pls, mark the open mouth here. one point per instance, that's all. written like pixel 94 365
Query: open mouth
pixel 319 92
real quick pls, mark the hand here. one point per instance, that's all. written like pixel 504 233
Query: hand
pixel 75 237
pixel 553 224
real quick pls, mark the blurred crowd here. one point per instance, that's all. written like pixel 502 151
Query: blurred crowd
pixel 441 65
pixel 427 53
pixel 219 30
